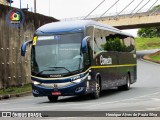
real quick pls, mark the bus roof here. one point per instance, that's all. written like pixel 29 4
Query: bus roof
pixel 65 26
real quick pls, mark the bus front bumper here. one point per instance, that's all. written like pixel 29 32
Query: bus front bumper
pixel 69 90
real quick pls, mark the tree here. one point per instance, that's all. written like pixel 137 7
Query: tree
pixel 150 32
pixel 113 44
pixel 157 7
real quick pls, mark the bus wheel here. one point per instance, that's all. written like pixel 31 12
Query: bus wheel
pixel 96 94
pixel 53 98
pixel 127 85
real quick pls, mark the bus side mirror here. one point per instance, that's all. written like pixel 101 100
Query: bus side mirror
pixel 24 46
pixel 84 44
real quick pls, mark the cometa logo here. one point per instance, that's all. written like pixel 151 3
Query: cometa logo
pixel 105 61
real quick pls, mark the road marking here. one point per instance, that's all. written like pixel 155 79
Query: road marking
pixel 123 100
pixel 84 104
pixel 148 109
pixel 55 105
pixel 155 108
pixel 156 99
pixel 14 102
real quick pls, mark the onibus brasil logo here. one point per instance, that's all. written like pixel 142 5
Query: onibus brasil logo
pixel 15 18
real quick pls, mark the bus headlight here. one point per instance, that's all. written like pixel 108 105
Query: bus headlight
pixel 77 81
pixel 36 83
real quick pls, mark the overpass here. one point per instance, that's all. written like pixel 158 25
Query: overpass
pixel 139 20
pixel 127 21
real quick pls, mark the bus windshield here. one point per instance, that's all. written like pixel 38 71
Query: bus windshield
pixel 61 52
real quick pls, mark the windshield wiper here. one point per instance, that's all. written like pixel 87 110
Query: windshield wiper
pixel 63 68
pixel 45 70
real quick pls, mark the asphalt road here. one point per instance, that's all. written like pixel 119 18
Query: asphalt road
pixel 144 95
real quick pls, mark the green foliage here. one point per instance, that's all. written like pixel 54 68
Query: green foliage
pixel 116 44
pixel 155 57
pixel 149 32
pixel 155 8
pixel 113 44
pixel 16 90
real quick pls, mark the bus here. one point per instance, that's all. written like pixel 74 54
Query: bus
pixel 80 57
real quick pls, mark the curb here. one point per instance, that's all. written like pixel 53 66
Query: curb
pixel 8 96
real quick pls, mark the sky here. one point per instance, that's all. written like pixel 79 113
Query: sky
pixel 62 9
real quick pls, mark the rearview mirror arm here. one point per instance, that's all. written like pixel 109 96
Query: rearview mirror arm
pixel 24 45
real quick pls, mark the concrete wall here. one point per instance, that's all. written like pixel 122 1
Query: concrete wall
pixel 14 69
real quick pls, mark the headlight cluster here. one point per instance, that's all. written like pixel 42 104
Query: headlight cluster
pixel 78 80
pixel 36 83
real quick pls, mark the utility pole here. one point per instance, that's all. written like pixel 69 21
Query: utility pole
pixel 34 6
pixel 10 2
pixel 49 8
pixel 20 5
pixel 27 8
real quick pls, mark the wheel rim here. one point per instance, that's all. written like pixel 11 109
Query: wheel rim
pixel 97 88
pixel 128 83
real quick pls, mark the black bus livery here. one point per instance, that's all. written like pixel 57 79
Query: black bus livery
pixel 80 57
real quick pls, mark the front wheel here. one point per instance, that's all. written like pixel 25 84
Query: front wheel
pixel 96 94
pixel 53 98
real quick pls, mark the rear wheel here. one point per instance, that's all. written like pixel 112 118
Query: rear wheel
pixel 96 94
pixel 53 98
pixel 127 85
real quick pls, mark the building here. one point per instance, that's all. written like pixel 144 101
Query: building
pixel 4 2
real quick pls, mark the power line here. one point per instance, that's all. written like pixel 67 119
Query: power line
pixel 108 9
pixel 125 8
pixel 136 6
pixel 94 9
pixel 141 7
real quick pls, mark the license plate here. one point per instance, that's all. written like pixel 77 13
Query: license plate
pixel 56 93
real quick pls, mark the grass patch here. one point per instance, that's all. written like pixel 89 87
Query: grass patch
pixel 147 43
pixel 155 57
pixel 16 90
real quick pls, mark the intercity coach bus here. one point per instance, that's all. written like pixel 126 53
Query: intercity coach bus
pixel 80 57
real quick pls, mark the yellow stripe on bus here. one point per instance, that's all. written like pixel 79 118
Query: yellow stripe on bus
pixel 111 66
pixel 92 67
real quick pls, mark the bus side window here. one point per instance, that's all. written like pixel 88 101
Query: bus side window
pixel 129 44
pixel 96 48
pixel 89 32
pixel 113 43
pixel 99 40
pixel 132 44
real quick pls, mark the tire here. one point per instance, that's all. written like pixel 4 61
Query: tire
pixel 96 94
pixel 127 85
pixel 53 98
